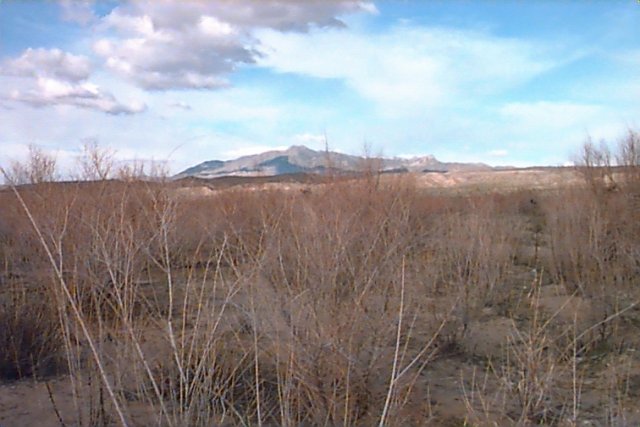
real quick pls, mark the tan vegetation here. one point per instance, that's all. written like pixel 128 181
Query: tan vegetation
pixel 356 302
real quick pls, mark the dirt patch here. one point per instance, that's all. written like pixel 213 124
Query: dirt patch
pixel 489 338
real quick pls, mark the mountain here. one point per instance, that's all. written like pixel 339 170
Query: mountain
pixel 300 159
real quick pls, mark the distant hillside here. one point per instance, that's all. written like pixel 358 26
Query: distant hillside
pixel 300 159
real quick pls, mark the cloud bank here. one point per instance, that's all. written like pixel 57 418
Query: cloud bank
pixel 52 77
pixel 410 69
pixel 161 45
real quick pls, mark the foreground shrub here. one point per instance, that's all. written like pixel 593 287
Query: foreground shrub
pixel 30 341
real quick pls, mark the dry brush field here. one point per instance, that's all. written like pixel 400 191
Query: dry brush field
pixel 371 301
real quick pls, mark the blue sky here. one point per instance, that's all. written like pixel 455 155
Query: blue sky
pixel 502 82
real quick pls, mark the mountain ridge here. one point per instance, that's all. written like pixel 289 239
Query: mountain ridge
pixel 301 159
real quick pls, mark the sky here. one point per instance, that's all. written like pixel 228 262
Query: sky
pixel 501 82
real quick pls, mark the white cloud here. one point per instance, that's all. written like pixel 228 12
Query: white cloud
pixel 52 63
pixel 369 7
pixel 78 11
pixel 408 69
pixel 213 27
pixel 53 77
pixel 164 45
pixel 198 56
pixel 49 92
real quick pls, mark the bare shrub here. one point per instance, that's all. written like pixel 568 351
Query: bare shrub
pixel 38 167
pixel 250 306
pixel 472 254
pixel 30 338
pixel 594 230
pixel 96 163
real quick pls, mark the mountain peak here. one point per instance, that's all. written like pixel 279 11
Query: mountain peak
pixel 300 148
